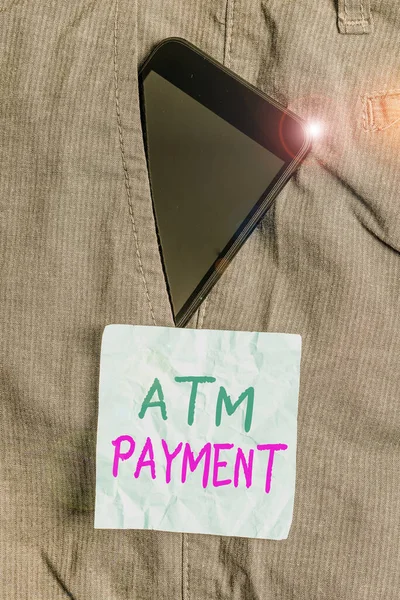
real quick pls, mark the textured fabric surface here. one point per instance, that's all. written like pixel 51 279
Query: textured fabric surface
pixel 78 250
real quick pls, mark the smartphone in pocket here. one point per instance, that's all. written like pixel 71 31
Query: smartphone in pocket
pixel 218 152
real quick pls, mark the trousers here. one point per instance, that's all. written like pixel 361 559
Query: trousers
pixel 78 251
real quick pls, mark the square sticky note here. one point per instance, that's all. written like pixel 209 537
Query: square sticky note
pixel 197 431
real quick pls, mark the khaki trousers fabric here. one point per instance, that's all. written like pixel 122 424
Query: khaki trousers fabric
pixel 78 250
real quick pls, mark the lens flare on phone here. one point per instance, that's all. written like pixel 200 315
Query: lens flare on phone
pixel 315 128
pixel 325 119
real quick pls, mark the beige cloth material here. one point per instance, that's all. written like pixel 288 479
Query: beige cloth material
pixel 78 250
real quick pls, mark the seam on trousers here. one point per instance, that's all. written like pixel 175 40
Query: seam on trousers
pixel 354 16
pixel 124 165
pixel 185 566
pixel 230 9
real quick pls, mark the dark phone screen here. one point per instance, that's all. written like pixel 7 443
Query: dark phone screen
pixel 206 177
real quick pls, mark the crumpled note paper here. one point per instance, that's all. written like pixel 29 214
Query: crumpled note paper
pixel 197 431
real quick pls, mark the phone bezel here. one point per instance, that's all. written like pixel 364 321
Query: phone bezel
pixel 214 86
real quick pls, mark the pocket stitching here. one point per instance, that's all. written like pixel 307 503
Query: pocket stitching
pixel 124 165
pixel 369 123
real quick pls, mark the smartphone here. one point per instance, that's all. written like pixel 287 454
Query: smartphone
pixel 218 152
